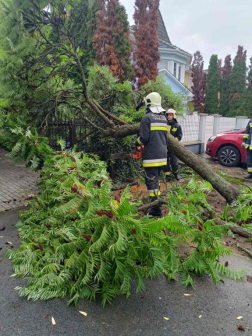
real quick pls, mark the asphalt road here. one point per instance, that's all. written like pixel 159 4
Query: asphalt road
pixel 218 306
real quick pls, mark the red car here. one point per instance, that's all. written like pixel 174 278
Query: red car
pixel 226 147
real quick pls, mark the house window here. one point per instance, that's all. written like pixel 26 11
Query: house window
pixel 175 70
pixel 179 73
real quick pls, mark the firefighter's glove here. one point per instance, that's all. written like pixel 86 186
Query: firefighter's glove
pixel 243 145
pixel 138 142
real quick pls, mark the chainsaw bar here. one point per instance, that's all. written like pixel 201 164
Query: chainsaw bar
pixel 120 156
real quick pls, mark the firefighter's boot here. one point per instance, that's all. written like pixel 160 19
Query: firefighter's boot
pixel 177 177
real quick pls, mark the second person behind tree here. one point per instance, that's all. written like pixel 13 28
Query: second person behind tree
pixel 175 130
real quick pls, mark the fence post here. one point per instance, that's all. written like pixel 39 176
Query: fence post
pixel 202 131
pixel 72 129
pixel 216 124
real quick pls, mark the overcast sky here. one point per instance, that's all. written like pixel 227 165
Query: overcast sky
pixel 211 26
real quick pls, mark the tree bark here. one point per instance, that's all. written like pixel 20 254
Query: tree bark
pixel 245 250
pixel 241 231
pixel 227 190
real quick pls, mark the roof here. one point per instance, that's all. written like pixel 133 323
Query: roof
pixel 164 44
pixel 162 32
pixel 183 87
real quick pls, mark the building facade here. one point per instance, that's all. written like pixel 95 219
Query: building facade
pixel 175 63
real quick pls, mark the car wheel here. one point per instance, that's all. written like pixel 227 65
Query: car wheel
pixel 229 156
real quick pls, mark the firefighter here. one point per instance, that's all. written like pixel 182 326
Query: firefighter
pixel 153 135
pixel 247 143
pixel 175 130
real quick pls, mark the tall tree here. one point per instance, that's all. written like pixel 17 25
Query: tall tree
pixel 212 89
pixel 146 54
pixel 111 39
pixel 225 85
pixel 220 67
pixel 199 82
pixel 121 38
pixel 83 26
pixel 248 99
pixel 238 84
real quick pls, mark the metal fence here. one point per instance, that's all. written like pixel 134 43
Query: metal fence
pixel 73 131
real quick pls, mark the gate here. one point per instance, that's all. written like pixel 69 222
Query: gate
pixel 72 130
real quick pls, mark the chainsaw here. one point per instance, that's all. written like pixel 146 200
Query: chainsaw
pixel 136 154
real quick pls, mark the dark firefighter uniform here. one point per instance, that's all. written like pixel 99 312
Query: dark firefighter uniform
pixel 172 162
pixel 247 143
pixel 153 135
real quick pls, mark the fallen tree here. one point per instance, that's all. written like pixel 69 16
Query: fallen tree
pixel 229 192
pixel 50 75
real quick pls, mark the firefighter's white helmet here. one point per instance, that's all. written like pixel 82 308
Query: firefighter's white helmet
pixel 172 112
pixel 153 101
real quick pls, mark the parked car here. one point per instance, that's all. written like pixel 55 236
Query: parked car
pixel 226 147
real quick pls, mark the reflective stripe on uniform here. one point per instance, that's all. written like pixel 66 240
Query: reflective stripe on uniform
pixel 153 193
pixel 174 129
pixel 169 129
pixel 168 173
pixel 158 164
pixel 246 146
pixel 155 163
pixel 158 127
pixel 250 124
pixel 250 170
pixel 245 136
pixel 159 124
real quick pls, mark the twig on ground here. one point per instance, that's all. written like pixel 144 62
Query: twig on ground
pixel 245 250
pixel 151 205
pixel 123 186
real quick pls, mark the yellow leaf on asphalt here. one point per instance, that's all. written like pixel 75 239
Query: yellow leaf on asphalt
pixel 53 321
pixel 83 313
pixel 160 298
pixel 188 294
pixel 166 318
pixel 200 316
pixel 239 318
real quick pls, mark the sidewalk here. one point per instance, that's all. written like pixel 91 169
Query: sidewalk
pixel 16 183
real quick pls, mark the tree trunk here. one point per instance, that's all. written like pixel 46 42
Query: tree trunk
pixel 241 231
pixel 229 192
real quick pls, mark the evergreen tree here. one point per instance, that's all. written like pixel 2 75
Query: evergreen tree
pixel 82 27
pixel 121 38
pixel 238 84
pixel 146 55
pixel 248 99
pixel 225 85
pixel 199 82
pixel 111 39
pixel 220 67
pixel 212 89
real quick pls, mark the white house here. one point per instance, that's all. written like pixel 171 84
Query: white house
pixel 174 62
